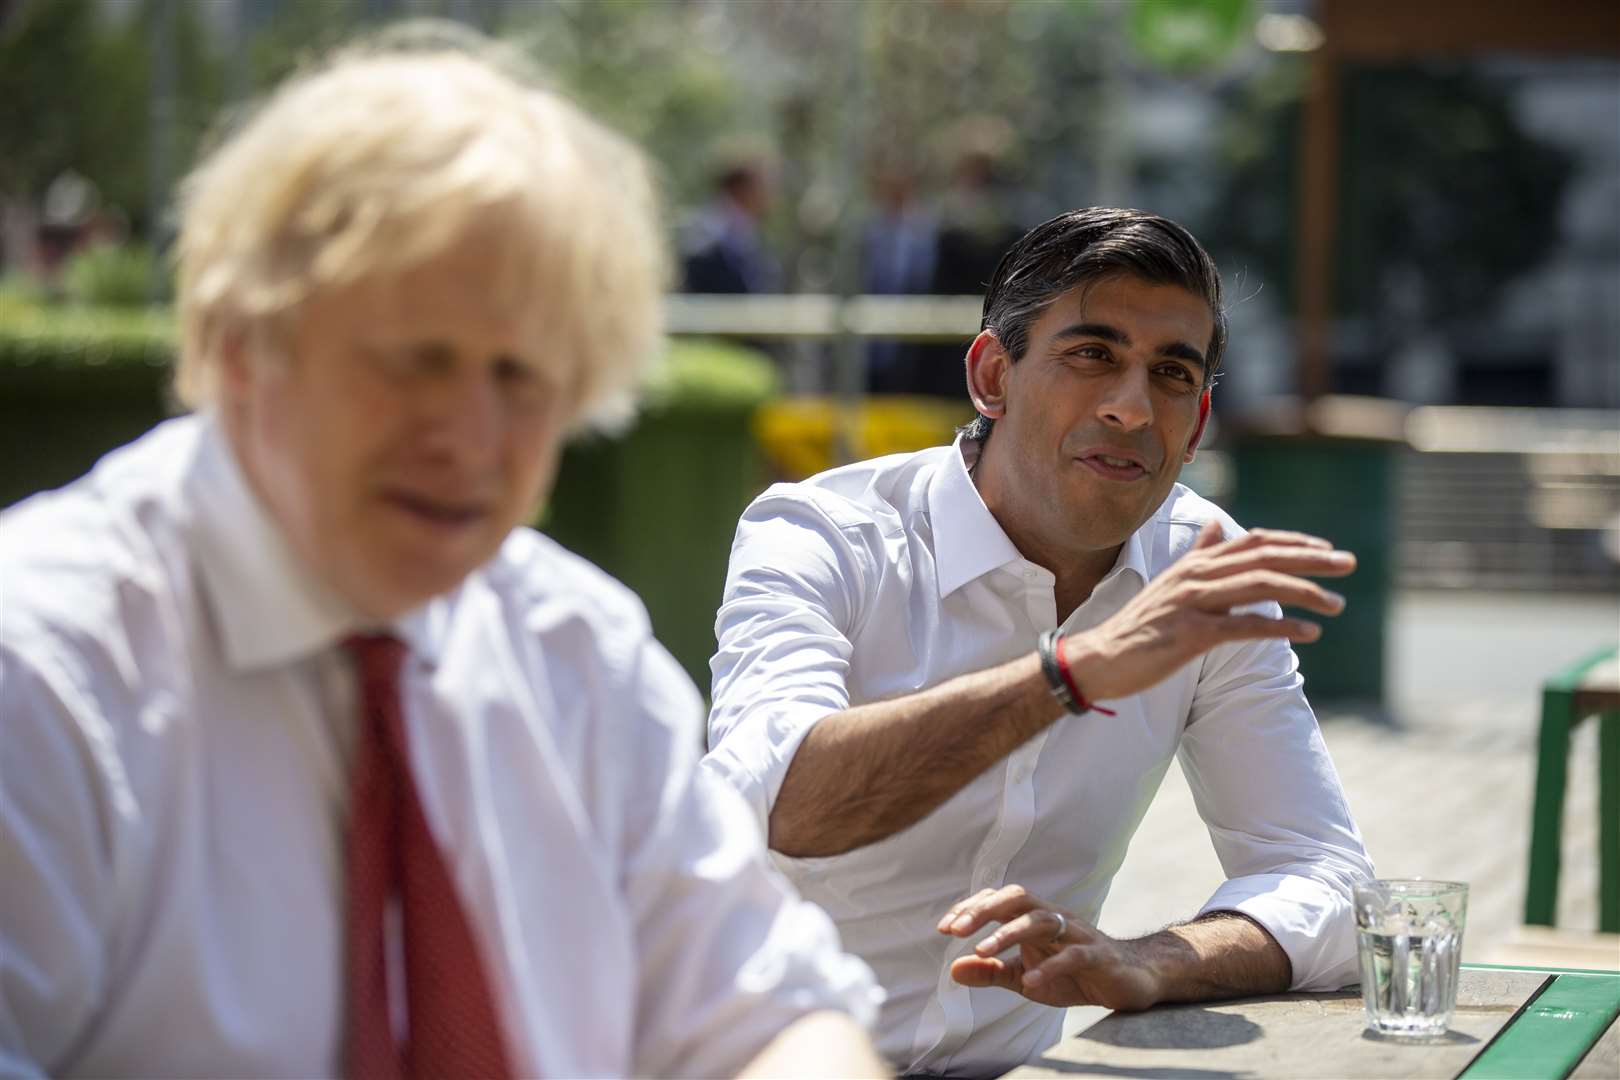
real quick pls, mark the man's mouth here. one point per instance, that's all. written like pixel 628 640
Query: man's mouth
pixel 438 512
pixel 1114 464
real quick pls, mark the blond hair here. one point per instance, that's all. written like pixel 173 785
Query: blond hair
pixel 380 160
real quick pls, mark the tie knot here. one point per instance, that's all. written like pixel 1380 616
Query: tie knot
pixel 377 657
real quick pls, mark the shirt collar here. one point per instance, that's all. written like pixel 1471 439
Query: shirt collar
pixel 969 542
pixel 1133 554
pixel 269 606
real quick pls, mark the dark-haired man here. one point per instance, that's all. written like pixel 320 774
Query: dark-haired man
pixel 909 649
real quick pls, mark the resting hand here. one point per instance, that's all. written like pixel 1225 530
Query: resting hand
pixel 1187 610
pixel 1060 962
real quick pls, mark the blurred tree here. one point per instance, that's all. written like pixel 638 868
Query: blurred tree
pixel 67 81
pixel 1184 35
pixel 665 74
pixel 75 81
pixel 295 33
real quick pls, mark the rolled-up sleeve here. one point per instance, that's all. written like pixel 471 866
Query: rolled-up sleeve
pixel 792 597
pixel 1265 785
pixel 729 954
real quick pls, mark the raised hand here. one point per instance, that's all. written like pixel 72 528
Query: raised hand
pixel 1187 610
pixel 1061 960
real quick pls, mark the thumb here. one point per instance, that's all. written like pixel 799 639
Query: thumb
pixel 1210 535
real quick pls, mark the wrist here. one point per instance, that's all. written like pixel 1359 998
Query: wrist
pixel 1081 657
pixel 1169 961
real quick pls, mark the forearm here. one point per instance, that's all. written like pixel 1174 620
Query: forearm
pixel 820 1044
pixel 1220 955
pixel 868 772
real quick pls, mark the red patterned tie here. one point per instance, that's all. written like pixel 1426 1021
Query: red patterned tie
pixel 452 1030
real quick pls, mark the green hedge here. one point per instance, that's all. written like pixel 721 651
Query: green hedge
pixel 701 374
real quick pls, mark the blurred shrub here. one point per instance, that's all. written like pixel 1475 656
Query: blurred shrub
pixel 700 373
pixel 706 373
pixel 19 294
pixel 123 276
pixel 70 337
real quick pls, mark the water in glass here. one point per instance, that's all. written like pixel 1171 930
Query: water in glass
pixel 1409 941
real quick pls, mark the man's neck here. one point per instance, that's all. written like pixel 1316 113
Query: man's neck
pixel 1077 570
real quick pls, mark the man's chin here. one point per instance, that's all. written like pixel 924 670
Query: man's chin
pixel 392 585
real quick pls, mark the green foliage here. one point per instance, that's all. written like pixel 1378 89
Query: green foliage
pixel 128 276
pixel 299 32
pixel 70 97
pixel 701 373
pixel 698 374
pixel 656 71
pixel 71 337
pixel 76 91
pixel 1182 35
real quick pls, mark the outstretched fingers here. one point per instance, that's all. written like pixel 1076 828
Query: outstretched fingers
pixel 1255 627
pixel 1279 537
pixel 988 971
pixel 1259 586
pixel 1288 558
pixel 1042 927
pixel 985 907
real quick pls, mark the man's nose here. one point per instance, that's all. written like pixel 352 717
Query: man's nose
pixel 466 417
pixel 1127 403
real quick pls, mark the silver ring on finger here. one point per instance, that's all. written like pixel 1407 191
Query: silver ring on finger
pixel 1063 926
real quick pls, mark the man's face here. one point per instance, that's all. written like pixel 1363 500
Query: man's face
pixel 1101 412
pixel 400 429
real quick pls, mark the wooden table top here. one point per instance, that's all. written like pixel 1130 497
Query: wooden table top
pixel 1528 1019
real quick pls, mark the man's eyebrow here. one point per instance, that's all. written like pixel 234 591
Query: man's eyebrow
pixel 1178 350
pixel 1094 330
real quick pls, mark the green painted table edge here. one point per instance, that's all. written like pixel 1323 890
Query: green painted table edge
pixel 1546 970
pixel 1554 1030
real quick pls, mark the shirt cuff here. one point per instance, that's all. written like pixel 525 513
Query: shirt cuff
pixel 1312 921
pixel 754 763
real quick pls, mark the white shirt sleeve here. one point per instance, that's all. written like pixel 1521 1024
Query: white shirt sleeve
pixel 792 596
pixel 56 877
pixel 730 956
pixel 1264 784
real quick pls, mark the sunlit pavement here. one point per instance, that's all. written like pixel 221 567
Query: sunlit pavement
pixel 1445 790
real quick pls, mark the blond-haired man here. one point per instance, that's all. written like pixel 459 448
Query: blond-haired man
pixel 314 761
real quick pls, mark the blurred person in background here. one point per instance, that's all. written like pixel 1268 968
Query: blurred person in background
pixel 898 248
pixel 313 761
pixel 910 650
pixel 722 247
pixel 979 214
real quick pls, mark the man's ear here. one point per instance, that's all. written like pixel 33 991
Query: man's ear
pixel 1198 429
pixel 987 368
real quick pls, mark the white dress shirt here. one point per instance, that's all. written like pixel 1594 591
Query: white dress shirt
pixel 177 724
pixel 889 576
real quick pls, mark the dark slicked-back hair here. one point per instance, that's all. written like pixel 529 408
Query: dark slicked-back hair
pixel 1083 246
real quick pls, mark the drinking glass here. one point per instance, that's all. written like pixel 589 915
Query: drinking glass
pixel 1409 939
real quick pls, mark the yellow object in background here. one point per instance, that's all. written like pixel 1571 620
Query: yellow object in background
pixel 802 436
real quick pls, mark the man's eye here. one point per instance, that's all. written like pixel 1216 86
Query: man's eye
pixel 1176 371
